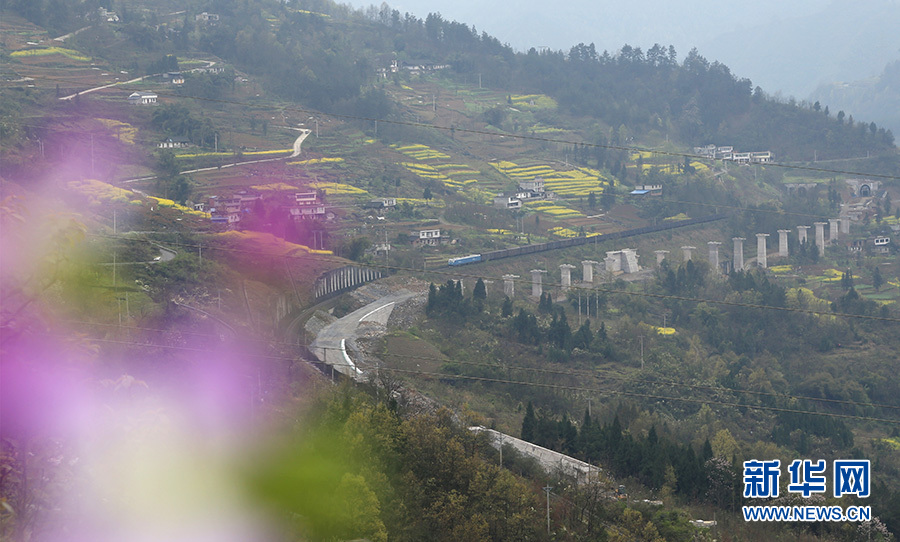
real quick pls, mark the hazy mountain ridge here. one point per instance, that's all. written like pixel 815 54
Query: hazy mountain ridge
pixel 876 97
pixel 784 48
pixel 843 42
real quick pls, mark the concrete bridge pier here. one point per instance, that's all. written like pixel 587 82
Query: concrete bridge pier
pixel 536 282
pixel 714 255
pixel 783 243
pixel 761 250
pixel 738 253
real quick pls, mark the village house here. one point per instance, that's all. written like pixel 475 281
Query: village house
pixel 726 152
pixel 880 244
pixel 175 78
pixel 380 203
pixel 308 206
pixel 107 15
pixel 506 201
pixel 308 197
pixel 647 190
pixel 206 17
pixel 309 212
pixel 174 143
pixel 431 238
pixel 535 186
pixel 142 98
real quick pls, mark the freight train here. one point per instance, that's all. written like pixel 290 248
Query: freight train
pixel 575 241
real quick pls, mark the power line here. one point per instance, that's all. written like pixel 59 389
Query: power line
pixel 527 137
pixel 562 372
pixel 457 275
pixel 544 385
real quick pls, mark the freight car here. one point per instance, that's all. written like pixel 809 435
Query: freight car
pixel 576 241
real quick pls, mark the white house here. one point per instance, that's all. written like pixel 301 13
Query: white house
pixel 537 185
pixel 503 201
pixel 310 197
pixel 308 212
pixel 142 98
pixel 174 143
pixel 426 237
pixel 206 17
pixel 107 15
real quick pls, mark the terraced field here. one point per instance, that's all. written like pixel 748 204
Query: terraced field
pixel 434 165
pixel 573 182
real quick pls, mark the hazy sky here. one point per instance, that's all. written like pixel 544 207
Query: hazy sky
pixel 790 46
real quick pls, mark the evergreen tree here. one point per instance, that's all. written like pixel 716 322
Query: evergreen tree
pixel 847 280
pixel 583 337
pixel 528 423
pixel 432 299
pixel 507 308
pixel 479 292
pixel 707 450
pixel 545 304
pixel 877 279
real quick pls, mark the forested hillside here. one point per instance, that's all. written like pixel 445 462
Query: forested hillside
pixel 324 55
pixel 194 193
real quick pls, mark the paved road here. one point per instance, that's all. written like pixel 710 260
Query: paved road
pixel 304 133
pixel 166 255
pixel 297 143
pixel 330 345
pixel 135 80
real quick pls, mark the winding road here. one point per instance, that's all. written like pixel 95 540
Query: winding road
pixel 297 144
pixel 330 345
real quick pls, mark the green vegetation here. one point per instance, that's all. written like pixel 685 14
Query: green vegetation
pixel 667 382
pixel 419 477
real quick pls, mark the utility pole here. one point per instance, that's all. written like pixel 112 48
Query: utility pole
pixel 642 352
pixel 547 490
pixel 115 289
pixel 92 155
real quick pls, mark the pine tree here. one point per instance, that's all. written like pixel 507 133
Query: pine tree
pixel 528 423
pixel 847 280
pixel 479 292
pixel 707 450
pixel 877 279
pixel 432 299
pixel 583 337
